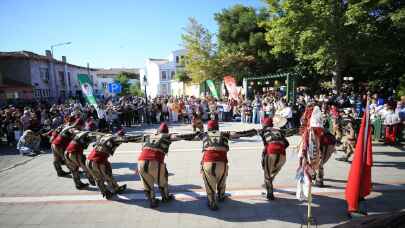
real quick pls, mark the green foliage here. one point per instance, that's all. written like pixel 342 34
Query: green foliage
pixel 201 62
pixel 401 87
pixel 122 78
pixel 182 76
pixel 398 18
pixel 136 90
pixel 362 38
pixel 241 40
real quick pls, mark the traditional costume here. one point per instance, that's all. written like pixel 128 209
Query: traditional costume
pixel 274 153
pixel 315 149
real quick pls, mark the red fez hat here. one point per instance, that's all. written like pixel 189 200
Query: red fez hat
pixel 267 122
pixel 163 128
pixel 212 125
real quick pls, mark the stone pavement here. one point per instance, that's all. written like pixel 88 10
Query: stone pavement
pixel 32 196
pixel 10 157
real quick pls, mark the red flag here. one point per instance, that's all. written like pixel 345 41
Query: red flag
pixel 359 180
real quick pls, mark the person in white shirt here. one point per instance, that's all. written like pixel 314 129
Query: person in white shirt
pixel 286 112
pixel 227 110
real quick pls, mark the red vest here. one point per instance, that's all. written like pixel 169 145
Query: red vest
pixel 214 156
pixel 275 148
pixel 74 147
pixel 53 135
pixel 61 141
pixel 98 157
pixel 151 155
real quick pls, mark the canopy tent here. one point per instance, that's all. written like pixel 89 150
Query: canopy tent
pixel 290 77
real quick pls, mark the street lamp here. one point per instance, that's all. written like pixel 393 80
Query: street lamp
pixel 57 45
pixel 54 68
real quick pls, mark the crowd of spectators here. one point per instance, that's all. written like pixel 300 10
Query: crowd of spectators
pixel 132 111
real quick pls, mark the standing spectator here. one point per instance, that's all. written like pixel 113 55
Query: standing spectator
pixel 286 112
pixel 243 112
pixel 101 114
pixel 175 111
pixel 220 105
pixel 25 120
pixel 256 110
pixel 248 112
pixel 227 111
pixel 391 123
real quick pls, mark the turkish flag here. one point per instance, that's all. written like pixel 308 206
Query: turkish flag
pixel 359 180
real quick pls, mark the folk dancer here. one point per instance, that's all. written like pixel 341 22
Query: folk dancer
pixel 151 166
pixel 274 152
pixel 214 164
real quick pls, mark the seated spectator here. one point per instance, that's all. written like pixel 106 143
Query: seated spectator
pixel 29 143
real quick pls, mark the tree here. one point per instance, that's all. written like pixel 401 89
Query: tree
pixel 123 80
pixel 335 36
pixel 201 62
pixel 136 90
pixel 243 49
pixel 182 76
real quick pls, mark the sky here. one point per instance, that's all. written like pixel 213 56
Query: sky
pixel 104 33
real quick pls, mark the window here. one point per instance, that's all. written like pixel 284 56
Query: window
pixel 68 79
pixel 164 89
pixel 37 93
pixel 172 75
pixel 177 59
pixel 62 78
pixel 164 75
pixel 44 74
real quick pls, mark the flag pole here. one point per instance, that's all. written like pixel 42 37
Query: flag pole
pixel 362 205
pixel 309 215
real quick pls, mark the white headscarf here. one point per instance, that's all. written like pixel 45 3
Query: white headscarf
pixel 316 118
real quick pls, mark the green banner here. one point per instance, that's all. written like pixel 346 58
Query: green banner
pixel 87 89
pixel 213 90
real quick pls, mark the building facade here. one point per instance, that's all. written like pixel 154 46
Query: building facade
pixel 48 78
pixel 108 76
pixel 160 75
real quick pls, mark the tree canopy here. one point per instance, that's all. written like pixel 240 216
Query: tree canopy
pixel 321 39
pixel 339 37
pixel 122 78
pixel 201 62
pixel 243 49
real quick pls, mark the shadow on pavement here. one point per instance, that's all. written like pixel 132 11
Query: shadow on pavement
pixel 392 154
pixel 398 165
pixel 121 165
pixel 282 209
pixel 132 176
pixel 326 209
pixel 7 150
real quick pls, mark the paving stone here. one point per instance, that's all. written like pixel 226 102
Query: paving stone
pixel 38 178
